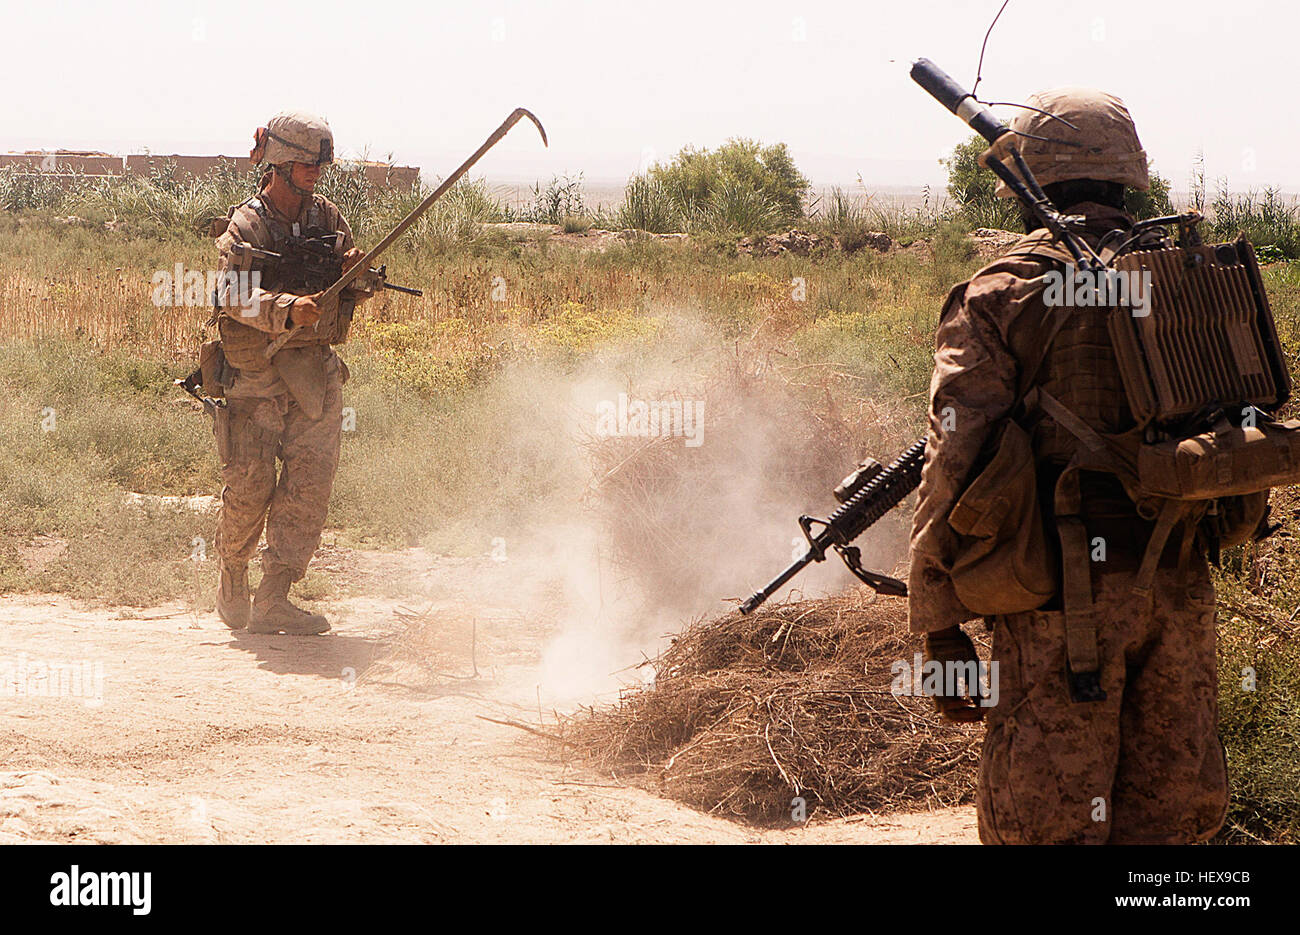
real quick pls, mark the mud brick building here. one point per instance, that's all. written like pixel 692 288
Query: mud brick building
pixel 69 163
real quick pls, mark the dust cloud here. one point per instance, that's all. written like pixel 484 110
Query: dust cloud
pixel 679 472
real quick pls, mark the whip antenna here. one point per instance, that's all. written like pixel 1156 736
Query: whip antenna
pixel 979 70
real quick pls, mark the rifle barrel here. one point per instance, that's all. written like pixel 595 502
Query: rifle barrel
pixel 756 599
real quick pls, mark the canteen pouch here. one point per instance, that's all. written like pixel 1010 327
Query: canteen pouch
pixel 217 375
pixel 1004 564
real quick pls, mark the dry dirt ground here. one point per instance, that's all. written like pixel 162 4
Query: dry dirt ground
pixel 181 731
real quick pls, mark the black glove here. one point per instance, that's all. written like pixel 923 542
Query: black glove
pixel 953 645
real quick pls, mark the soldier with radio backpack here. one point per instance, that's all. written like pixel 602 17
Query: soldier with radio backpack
pixel 1082 464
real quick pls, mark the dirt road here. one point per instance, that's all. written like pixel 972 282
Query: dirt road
pixel 177 730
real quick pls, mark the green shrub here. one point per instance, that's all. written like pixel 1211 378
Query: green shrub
pixel 1265 218
pixel 739 172
pixel 925 220
pixel 733 207
pixel 973 187
pixel 648 206
pixel 839 216
pixel 1152 203
pixel 561 198
pixel 22 190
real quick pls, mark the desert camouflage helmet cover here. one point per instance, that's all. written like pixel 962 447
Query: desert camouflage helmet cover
pixel 1104 146
pixel 293 136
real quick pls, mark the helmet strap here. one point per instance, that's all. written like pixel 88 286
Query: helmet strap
pixel 287 177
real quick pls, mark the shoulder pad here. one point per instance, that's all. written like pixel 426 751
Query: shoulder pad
pixel 327 208
pixel 1038 245
pixel 219 224
pixel 251 223
pixel 1042 250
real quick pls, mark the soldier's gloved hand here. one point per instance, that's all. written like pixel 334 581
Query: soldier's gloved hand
pixel 304 311
pixel 366 283
pixel 954 646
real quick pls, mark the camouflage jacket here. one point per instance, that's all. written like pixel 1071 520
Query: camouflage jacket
pixel 248 327
pixel 991 329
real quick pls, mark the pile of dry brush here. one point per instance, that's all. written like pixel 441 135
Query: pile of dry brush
pixel 746 712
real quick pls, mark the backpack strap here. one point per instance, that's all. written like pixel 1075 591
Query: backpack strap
pixel 1082 654
pixel 1172 512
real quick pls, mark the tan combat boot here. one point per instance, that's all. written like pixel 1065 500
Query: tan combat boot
pixel 272 612
pixel 232 596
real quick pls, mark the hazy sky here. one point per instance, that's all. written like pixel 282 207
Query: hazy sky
pixel 619 83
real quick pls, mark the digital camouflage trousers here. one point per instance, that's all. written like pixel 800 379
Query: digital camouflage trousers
pixel 252 433
pixel 1145 766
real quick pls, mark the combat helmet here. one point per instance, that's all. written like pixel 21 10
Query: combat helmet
pixel 1102 144
pixel 294 136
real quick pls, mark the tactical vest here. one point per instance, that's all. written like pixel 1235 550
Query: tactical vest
pixel 1079 369
pixel 241 342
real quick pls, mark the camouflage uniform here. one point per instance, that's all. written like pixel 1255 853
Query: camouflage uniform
pixel 288 407
pixel 1146 764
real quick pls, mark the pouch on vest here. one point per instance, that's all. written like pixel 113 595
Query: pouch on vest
pixel 1004 564
pixel 243 345
pixel 218 375
pixel 1227 461
pixel 221 431
pixel 1233 520
pixel 303 371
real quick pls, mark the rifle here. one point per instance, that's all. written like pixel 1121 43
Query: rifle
pixel 865 496
pixel 309 260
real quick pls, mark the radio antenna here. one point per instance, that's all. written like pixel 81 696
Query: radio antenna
pixel 979 76
pixel 979 71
